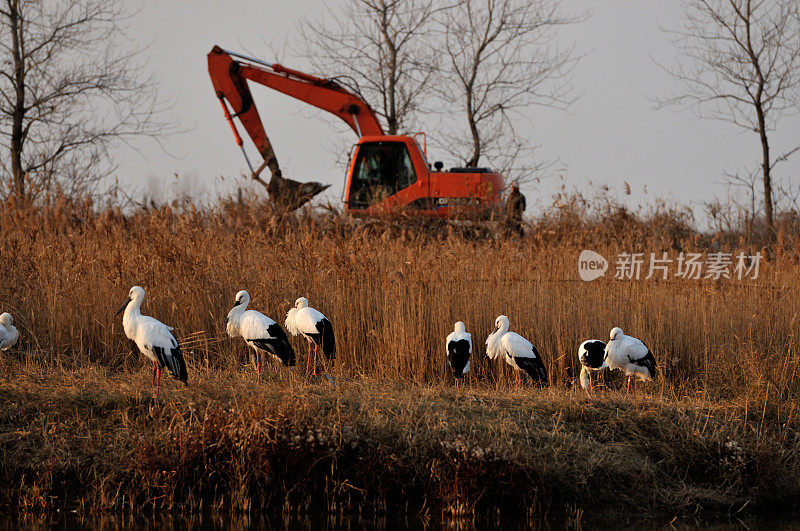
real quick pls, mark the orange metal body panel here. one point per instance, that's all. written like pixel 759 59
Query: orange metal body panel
pixel 448 192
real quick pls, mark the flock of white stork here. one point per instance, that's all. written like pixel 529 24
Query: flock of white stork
pixel 624 353
pixel 156 341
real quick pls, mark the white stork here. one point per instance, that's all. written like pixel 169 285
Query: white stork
pixel 8 332
pixel 459 348
pixel 258 331
pixel 154 339
pixel 591 354
pixel 629 355
pixel 518 351
pixel 315 327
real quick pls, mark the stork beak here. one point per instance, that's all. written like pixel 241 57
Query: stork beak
pixel 125 304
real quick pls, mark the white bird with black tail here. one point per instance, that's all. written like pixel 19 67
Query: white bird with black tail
pixel 315 327
pixel 518 351
pixel 154 339
pixel 8 332
pixel 591 354
pixel 629 355
pixel 459 348
pixel 259 331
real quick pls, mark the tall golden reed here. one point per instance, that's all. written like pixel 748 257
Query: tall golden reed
pixel 393 291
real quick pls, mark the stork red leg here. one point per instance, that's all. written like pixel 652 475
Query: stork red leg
pixel 154 373
pixel 629 385
pixel 158 382
pixel 315 358
pixel 308 359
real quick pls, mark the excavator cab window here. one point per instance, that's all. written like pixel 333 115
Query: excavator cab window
pixel 381 169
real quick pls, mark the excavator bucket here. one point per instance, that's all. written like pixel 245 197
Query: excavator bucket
pixel 231 87
pixel 289 195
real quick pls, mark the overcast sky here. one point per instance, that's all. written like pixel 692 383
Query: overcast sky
pixel 611 135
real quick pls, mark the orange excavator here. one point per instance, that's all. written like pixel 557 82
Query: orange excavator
pixel 386 174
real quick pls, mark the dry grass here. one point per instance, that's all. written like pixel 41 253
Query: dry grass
pixel 92 440
pixel 727 352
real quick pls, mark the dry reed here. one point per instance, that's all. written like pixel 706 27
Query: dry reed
pixel 391 293
pixel 727 350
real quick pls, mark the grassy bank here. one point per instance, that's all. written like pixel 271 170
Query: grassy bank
pixel 95 439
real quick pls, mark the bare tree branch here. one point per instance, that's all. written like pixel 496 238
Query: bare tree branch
pixel 740 63
pixel 71 90
pixel 502 59
pixel 379 47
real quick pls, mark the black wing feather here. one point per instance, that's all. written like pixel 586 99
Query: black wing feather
pixel 595 353
pixel 160 355
pixel 173 361
pixel 458 356
pixel 324 338
pixel 533 366
pixel 278 345
pixel 649 362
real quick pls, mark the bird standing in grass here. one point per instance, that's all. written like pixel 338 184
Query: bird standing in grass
pixel 154 339
pixel 8 332
pixel 518 351
pixel 315 327
pixel 629 355
pixel 591 354
pixel 258 331
pixel 459 348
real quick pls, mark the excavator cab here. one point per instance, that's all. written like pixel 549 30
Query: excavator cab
pixel 380 170
pixel 390 174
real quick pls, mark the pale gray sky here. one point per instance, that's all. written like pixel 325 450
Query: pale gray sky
pixel 612 134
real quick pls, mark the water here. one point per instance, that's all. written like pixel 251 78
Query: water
pixel 354 522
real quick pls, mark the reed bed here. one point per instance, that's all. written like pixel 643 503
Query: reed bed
pixel 727 349
pixel 392 293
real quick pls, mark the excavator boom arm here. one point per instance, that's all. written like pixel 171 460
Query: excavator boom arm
pixel 230 77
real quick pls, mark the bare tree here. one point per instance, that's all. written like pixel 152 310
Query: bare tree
pixel 502 59
pixel 740 62
pixel 380 46
pixel 69 91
